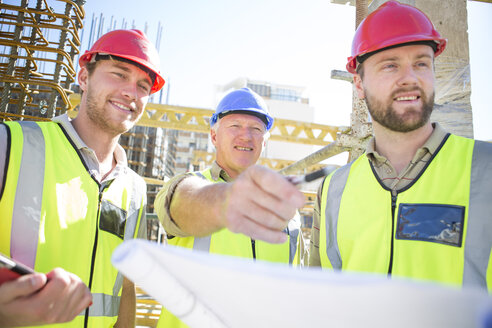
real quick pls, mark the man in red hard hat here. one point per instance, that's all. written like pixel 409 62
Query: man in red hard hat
pixel 235 207
pixel 416 204
pixel 69 198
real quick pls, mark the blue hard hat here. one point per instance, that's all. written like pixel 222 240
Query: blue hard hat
pixel 243 101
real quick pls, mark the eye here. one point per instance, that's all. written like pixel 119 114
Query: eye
pixel 118 74
pixel 389 66
pixel 144 87
pixel 423 64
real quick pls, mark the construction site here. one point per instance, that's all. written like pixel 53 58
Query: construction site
pixel 39 49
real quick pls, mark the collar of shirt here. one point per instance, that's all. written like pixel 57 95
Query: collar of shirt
pixel 89 155
pixel 430 146
pixel 217 172
pixel 387 174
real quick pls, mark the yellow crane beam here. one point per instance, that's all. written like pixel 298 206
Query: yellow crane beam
pixel 201 156
pixel 197 120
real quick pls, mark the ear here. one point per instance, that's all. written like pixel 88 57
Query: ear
pixel 83 79
pixel 358 86
pixel 213 136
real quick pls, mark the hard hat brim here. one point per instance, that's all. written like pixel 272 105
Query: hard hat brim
pixel 158 82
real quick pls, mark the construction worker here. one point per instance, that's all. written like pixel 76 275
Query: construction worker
pixel 69 198
pixel 201 212
pixel 417 203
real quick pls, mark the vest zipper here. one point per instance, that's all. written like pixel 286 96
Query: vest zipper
pixel 253 248
pixel 94 249
pixel 394 196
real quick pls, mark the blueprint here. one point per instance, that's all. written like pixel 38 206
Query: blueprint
pixel 206 290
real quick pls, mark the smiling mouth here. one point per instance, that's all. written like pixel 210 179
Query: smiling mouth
pixel 121 106
pixel 407 98
pixel 243 148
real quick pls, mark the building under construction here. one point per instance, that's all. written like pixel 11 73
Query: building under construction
pixel 40 41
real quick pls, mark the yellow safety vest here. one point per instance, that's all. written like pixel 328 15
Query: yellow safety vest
pixel 54 214
pixel 225 242
pixel 438 228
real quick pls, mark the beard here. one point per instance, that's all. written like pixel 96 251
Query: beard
pixel 100 117
pixel 411 119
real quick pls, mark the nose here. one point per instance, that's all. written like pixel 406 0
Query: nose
pixel 408 76
pixel 130 90
pixel 245 133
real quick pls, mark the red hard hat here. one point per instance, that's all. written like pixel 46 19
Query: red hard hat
pixel 391 24
pixel 129 44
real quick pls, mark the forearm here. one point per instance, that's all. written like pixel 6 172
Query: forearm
pixel 126 314
pixel 198 206
pixel 259 204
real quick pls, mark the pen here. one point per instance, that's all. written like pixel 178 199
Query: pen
pixel 6 262
pixel 311 176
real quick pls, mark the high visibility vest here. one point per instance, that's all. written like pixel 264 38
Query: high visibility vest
pixel 54 214
pixel 225 242
pixel 438 228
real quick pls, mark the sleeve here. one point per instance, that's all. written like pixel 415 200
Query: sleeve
pixel 162 205
pixel 314 258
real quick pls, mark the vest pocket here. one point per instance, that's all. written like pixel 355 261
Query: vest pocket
pixel 437 223
pixel 112 219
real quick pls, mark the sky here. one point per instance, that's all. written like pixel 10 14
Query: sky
pixel 208 43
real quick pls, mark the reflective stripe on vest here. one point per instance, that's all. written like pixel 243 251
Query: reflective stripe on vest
pixel 294 235
pixel 334 199
pixel 130 233
pixel 479 218
pixel 460 166
pixel 202 243
pixel 28 196
pixel 104 305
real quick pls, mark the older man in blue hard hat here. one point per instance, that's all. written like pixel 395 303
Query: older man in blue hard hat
pixel 229 207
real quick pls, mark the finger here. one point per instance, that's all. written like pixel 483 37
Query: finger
pixel 281 208
pixel 259 232
pixel 249 211
pixel 274 212
pixel 22 286
pixel 243 202
pixel 276 184
pixel 54 295
pixel 79 299
pixel 65 296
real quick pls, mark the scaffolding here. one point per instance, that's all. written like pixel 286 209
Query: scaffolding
pixel 37 50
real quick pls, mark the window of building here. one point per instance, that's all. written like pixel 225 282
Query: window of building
pixel 261 89
pixel 285 94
